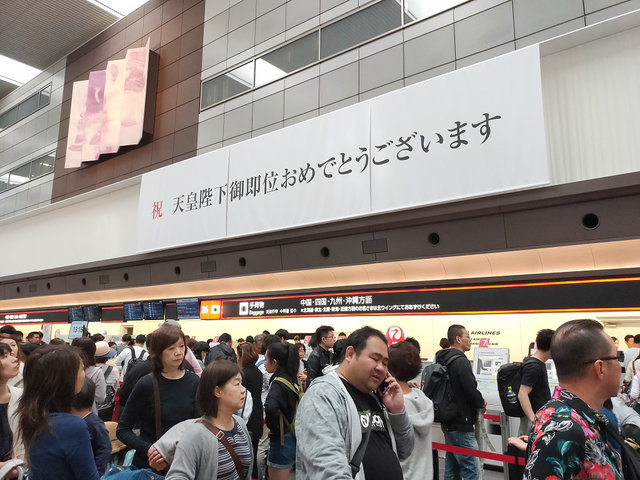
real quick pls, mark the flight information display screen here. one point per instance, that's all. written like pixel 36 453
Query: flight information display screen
pixel 153 310
pixel 188 308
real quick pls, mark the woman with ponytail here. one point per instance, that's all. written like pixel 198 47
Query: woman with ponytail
pixel 282 361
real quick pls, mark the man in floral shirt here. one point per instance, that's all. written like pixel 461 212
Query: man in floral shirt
pixel 569 438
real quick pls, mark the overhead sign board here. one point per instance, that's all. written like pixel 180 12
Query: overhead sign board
pixel 591 295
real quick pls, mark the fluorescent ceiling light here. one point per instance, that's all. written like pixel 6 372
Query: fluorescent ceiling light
pixel 243 74
pixel 119 8
pixel 417 9
pixel 16 72
pixel 266 72
pixel 17 179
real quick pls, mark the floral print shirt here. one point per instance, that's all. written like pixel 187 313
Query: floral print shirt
pixel 568 442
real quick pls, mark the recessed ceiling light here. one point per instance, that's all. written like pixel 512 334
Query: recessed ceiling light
pixel 417 9
pixel 119 8
pixel 16 72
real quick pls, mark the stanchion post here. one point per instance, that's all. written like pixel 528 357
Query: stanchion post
pixel 505 432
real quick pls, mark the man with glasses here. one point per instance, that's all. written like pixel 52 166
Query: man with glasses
pixel 569 438
pixel 460 432
pixel 321 355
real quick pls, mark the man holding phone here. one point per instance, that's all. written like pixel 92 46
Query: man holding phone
pixel 351 423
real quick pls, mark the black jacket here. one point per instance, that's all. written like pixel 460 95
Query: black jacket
pixel 318 359
pixel 252 381
pixel 465 388
pixel 222 350
pixel 280 399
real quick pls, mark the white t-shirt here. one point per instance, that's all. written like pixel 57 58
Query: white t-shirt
pixel 122 360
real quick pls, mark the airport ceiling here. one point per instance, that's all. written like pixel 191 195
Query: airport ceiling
pixel 41 32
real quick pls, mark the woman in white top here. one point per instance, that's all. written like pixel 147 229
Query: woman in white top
pixel 10 444
pixel 19 354
pixel 88 354
pixel 405 365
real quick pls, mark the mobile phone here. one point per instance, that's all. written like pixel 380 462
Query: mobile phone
pixel 383 386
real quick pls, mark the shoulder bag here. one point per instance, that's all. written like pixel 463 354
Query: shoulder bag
pixel 220 436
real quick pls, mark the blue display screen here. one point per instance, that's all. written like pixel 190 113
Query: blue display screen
pixel 76 314
pixel 132 311
pixel 188 308
pixel 153 310
pixel 91 313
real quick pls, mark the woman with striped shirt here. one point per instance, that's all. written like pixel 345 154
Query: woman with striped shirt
pixel 200 454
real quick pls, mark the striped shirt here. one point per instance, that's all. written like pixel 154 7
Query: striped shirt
pixel 242 445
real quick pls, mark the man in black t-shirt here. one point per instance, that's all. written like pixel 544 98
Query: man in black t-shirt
pixel 339 409
pixel 534 387
pixel 380 461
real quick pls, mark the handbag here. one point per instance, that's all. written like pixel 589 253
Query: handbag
pixel 131 473
pixel 630 457
pixel 220 436
pixel 105 409
pixel 10 465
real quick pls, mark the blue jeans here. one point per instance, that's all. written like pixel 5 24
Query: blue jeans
pixel 457 466
pixel 282 456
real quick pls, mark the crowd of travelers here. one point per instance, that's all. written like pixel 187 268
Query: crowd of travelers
pixel 345 407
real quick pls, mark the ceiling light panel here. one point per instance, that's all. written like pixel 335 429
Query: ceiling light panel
pixel 16 72
pixel 121 8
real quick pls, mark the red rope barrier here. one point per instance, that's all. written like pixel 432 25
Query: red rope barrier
pixel 495 418
pixel 479 453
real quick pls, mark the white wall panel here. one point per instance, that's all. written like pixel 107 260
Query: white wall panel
pixel 592 108
pixel 88 228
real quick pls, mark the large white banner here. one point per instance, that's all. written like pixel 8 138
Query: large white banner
pixel 474 132
pixel 184 203
pixel 299 175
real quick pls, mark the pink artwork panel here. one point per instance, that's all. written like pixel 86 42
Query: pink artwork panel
pixel 107 111
pixel 135 93
pixel 93 116
pixel 113 103
pixel 75 139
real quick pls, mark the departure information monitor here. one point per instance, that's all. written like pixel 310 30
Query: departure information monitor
pixel 153 310
pixel 188 308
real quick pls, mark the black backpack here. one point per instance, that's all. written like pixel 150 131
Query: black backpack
pixel 105 409
pixel 509 378
pixel 133 359
pixel 436 384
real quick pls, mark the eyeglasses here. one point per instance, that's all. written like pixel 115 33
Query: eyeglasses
pixel 603 359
